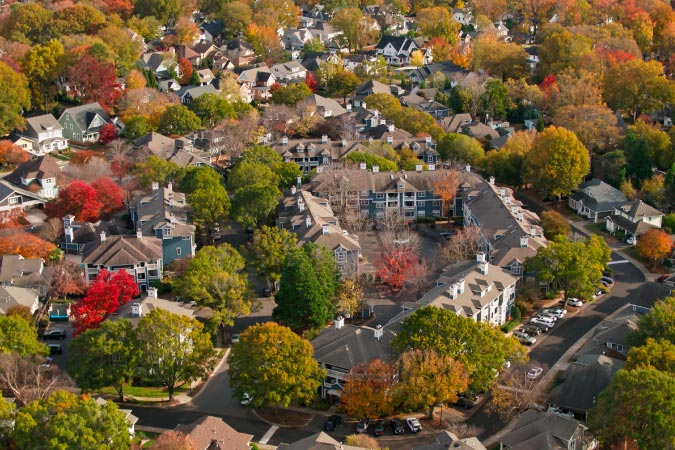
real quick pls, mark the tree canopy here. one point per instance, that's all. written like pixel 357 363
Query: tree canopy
pixel 18 335
pixel 268 250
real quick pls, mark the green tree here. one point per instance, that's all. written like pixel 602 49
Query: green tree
pixel 387 104
pixel 199 177
pixel 7 412
pixel 14 101
pixel 105 356
pixel 250 173
pixel 235 16
pixel 156 169
pixel 562 50
pixel 336 79
pixel 460 148
pixel 638 162
pixel 418 367
pixel 166 11
pixel 314 45
pixel 65 420
pixel 495 99
pixel 274 366
pixel 210 206
pixel 507 163
pixel 554 224
pixel 212 109
pixel 136 127
pixel 18 335
pixel 437 21
pixel 301 302
pixel 354 26
pixel 29 24
pixel 286 172
pixel 174 349
pixel 658 323
pixel 658 143
pixel 557 162
pixel 385 164
pixel 291 94
pixel 654 354
pixel 268 250
pixel 125 51
pixel 252 205
pixel 42 65
pixel 178 120
pixel 481 348
pixel 638 404
pixel 215 278
pixel 323 262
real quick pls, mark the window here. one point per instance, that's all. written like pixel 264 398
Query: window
pixel 364 202
pixel 14 200
pixel 516 270
pixel 379 196
pixel 410 214
pixel 186 238
pixel 436 212
pixel 341 256
pixel 167 232
pixel 140 275
pixel 341 267
pixel 179 251
pixel 436 203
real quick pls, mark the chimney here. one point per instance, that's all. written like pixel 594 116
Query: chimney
pixel 376 168
pixel 502 192
pixel 284 140
pixel 418 167
pixel 136 310
pixel 155 185
pixel 298 181
pixel 533 232
pixel 102 236
pixel 468 167
pixel 390 139
pixel 171 203
pixel 452 291
pixel 431 166
pixel 139 234
pixel 363 166
pixel 520 216
pixel 152 292
pixel 507 200
pixel 325 228
pixel 363 105
pixel 391 176
pixel 349 107
pixel 339 322
pixel 324 139
pixel 379 331
pixel 523 241
pixel 169 186
pixel 308 221
pixel 344 142
pixel 172 218
pixel 294 190
pixel 383 121
pixel 391 127
pixel 461 285
pixel 484 268
pixel 492 181
pixel 480 257
pixel 514 209
pixel 427 140
pixel 69 234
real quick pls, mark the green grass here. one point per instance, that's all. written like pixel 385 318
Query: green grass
pixel 143 391
pixel 598 228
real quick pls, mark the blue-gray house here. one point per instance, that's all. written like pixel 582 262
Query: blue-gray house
pixel 164 214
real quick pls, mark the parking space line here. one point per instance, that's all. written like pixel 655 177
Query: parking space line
pixel 265 439
pixel 617 262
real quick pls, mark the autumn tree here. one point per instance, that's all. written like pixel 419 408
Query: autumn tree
pixel 507 163
pixel 557 162
pixel 437 21
pixel 281 358
pixel 418 366
pixel 656 354
pixel 105 356
pixel 13 102
pixel 42 65
pixel 349 297
pixel 105 295
pixel 515 392
pixel 554 224
pixel 125 51
pixel 18 335
pixel 67 420
pixel 357 30
pixel 212 109
pixel 500 59
pixel 174 350
pixel 12 155
pixel 655 245
pixel 172 440
pixel 369 389
pixel 185 70
pixel 265 41
pixel 215 278
pixel 463 245
pixel 25 244
pixel 658 323
pixel 107 134
pixel 394 265
pixel 460 148
pixel 95 81
pixel 79 199
pixel 267 251
pixel 595 125
pixel 28 378
pixel 363 441
pixel 155 169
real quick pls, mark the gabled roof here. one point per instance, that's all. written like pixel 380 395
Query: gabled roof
pixel 540 431
pixel 204 431
pixel 649 293
pixel 398 42
pixel 214 27
pixel 15 266
pixel 324 105
pixel 44 122
pixel 84 114
pixel 351 345
pixel 599 196
pixel 372 86
pixel 7 189
pixel 123 251
pixel 11 296
pixel 638 209
pixel 39 168
pixel 318 441
pixel 162 208
pixel 196 91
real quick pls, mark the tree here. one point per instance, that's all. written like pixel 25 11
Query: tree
pixel 174 349
pixel 136 127
pixel 637 86
pixel 437 21
pixel 107 134
pixel 215 278
pixel 481 348
pixel 357 29
pixel 105 356
pixel 418 367
pixel 594 125
pixel 655 245
pixel 638 404
pixel 265 41
pixel 554 224
pixel 18 335
pixel 515 392
pixel 25 244
pixel 557 162
pixel 286 172
pixel 460 148
pixel 463 245
pixel 561 50
pixel 268 249
pixel 654 354
pixel 7 411
pixel 310 81
pixel 13 102
pixel 336 79
pixel 42 65
pixel 209 206
pixel 500 59
pixel 28 378
pixel 79 199
pixel 212 109
pixel 362 441
pixel 252 205
pixel 110 195
pixel 185 70
pixel 283 360
pixel 638 163
pixel 155 169
pixel 95 81
pixel 178 120
pixel 369 388
pixel 30 24
pixel 291 94
pixel 125 50
pixel 12 155
pixel 66 420
pixel 105 295
pixel 172 440
pixel 394 265
pixel 658 323
pixel 507 163
pixel 301 302
pixel 573 266
pixel 349 297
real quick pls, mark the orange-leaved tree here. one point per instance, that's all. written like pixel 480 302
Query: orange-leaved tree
pixel 25 244
pixel 445 186
pixel 368 389
pixel 655 245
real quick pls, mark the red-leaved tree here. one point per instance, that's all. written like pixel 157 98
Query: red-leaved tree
pixel 79 199
pixel 395 265
pixel 310 81
pixel 95 81
pixel 185 69
pixel 110 195
pixel 107 293
pixel 108 133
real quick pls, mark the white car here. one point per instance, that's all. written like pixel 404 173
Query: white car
pixel 534 373
pixel 235 338
pixel 542 321
pixel 413 424
pixel 246 399
pixel 524 338
pixel 558 312
pixel 574 302
pixel 548 316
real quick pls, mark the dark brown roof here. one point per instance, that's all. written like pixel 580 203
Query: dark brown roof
pixel 40 168
pixel 123 250
pixel 203 432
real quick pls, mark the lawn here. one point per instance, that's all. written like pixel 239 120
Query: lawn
pixel 144 391
pixel 597 228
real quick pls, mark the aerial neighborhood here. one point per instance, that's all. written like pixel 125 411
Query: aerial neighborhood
pixel 307 224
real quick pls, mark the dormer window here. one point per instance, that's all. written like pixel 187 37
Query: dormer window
pixel 400 185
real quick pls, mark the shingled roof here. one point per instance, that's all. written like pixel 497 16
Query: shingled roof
pixel 123 251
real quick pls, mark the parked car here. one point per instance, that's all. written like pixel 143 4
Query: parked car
pixel 542 327
pixel 55 333
pixel 246 399
pixel 333 422
pixel 630 240
pixel 447 234
pixel 235 338
pixel 663 278
pixel 55 349
pixel 377 430
pixel 47 362
pixel 534 373
pixel 464 402
pixel 556 311
pixel 397 426
pixel 362 426
pixel 217 236
pixel 524 338
pixel 413 424
pixel 547 316
pixel 606 279
pixel 542 321
pixel 532 329
pixel 574 302
pixel 267 292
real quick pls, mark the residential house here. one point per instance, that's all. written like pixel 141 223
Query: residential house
pixel 446 440
pixel 133 311
pixel 17 271
pixel 159 63
pixel 14 200
pixel 205 77
pixel 596 199
pixel 532 56
pixel 396 50
pixel 179 151
pixel 211 31
pixel 22 142
pixel 324 31
pixel 342 347
pixel 633 219
pixel 41 175
pixel 130 418
pixel 140 256
pixel 210 142
pixel 543 431
pixel 209 432
pixel 83 123
pixel 480 131
pixel 11 296
pixel 318 441
pixel 463 16
pixel 294 39
pixel 325 107
pixel 289 72
pixel 510 233
pixel 45 134
pixel 240 52
pixel 436 109
pixel 188 94
pixel 500 30
pixel 455 123
pixel 79 235
pixel 164 214
pixel 643 298
pixel 170 85
pixel 259 80
pixel 367 88
pixel 312 220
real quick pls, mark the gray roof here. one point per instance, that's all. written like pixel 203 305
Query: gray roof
pixel 637 228
pixel 448 441
pixel 205 430
pixel 38 168
pixel 162 208
pixel 11 296
pixel 7 189
pixel 123 251
pixel 84 114
pixel 324 105
pixel 43 123
pixel 599 196
pixel 351 345
pixel 638 209
pixel 540 431
pixel 649 293
pixel 318 441
pixel 196 91
pixel 16 266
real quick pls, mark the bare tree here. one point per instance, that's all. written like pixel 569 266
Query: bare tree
pixel 94 168
pixel 63 279
pixel 463 245
pixel 515 392
pixel 51 230
pixel 29 378
pixel 398 234
pixel 418 277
